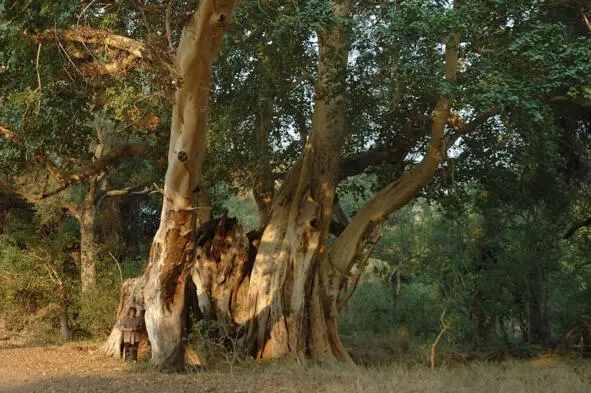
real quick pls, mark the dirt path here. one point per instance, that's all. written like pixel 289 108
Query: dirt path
pixel 78 368
pixel 24 366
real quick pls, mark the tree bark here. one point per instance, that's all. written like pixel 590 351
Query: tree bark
pixel 292 308
pixel 281 290
pixel 88 249
pixel 173 249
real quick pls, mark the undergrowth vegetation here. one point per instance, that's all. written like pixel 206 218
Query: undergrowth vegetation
pixel 497 290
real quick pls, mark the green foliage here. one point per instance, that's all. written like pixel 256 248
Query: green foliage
pixel 214 340
pixel 39 274
pixel 503 277
pixel 42 281
pixel 98 308
pixel 375 309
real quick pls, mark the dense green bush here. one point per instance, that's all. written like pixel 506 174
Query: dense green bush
pixel 40 281
pixel 376 309
pixel 506 280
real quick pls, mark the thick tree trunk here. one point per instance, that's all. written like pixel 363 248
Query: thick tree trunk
pixel 173 249
pixel 291 302
pixel 88 249
pixel 283 296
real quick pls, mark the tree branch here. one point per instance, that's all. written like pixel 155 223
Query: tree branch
pixel 140 189
pixel 581 224
pixel 585 104
pixel 461 128
pixel 73 210
pixel 355 165
pixel 586 19
pixel 96 168
pixel 130 52
pixel 349 245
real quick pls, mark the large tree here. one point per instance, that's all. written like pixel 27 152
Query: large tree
pixel 387 88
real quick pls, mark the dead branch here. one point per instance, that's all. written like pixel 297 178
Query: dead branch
pixel 119 266
pixel 357 164
pixel 444 327
pixel 142 189
pixel 37 68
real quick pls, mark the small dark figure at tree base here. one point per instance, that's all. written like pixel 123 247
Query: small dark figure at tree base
pixel 130 325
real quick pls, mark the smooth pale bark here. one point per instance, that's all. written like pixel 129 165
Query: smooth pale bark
pixel 173 249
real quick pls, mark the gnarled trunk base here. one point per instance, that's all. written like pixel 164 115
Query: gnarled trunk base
pixel 131 296
pixel 263 326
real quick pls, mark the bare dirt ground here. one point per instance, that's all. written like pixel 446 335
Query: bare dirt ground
pixel 79 368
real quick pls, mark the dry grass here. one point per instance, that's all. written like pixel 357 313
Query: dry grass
pixel 79 369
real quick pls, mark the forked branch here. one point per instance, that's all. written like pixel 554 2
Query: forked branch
pixel 125 54
pixel 398 193
pixel 461 128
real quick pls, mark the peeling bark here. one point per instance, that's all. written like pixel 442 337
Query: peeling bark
pixel 221 271
pixel 291 304
pixel 173 249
